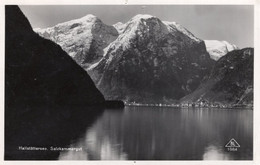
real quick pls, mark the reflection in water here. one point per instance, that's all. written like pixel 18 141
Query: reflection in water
pixel 153 133
pixel 94 148
pixel 45 128
pixel 97 143
pixel 215 153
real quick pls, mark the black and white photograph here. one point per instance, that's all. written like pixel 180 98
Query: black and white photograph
pixel 133 82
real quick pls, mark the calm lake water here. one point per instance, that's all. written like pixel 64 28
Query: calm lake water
pixel 155 133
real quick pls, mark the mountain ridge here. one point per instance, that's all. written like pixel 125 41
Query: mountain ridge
pixel 83 39
pixel 149 46
pixel 38 71
pixel 229 83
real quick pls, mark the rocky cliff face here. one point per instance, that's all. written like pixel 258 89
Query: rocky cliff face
pixel 230 81
pixel 217 49
pixel 83 39
pixel 38 72
pixel 151 60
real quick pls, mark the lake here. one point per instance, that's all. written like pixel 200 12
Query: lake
pixel 160 133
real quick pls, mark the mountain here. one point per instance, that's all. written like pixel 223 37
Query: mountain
pixel 120 27
pixel 38 72
pixel 151 61
pixel 230 81
pixel 217 49
pixel 83 39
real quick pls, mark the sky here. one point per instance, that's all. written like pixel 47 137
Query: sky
pixel 232 23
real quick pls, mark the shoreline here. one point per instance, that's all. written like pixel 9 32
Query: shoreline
pixel 188 107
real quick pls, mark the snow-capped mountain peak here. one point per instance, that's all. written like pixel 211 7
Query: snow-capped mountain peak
pixel 140 26
pixel 217 49
pixel 87 19
pixel 144 28
pixel 142 20
pixel 120 27
pixel 118 24
pixel 230 46
pixel 142 16
pixel 173 25
pixel 83 39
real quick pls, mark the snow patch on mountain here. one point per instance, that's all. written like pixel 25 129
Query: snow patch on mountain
pixel 142 16
pixel 120 27
pixel 172 26
pixel 218 49
pixel 83 39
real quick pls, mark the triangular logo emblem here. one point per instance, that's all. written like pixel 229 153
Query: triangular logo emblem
pixel 232 143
